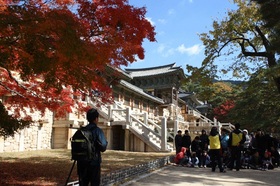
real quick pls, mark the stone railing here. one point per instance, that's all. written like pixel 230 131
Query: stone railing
pixel 123 175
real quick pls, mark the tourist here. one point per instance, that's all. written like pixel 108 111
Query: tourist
pixel 261 143
pixel 178 141
pixel 236 141
pixel 215 149
pixel 224 140
pixel 179 158
pixel 193 160
pixel 89 171
pixel 195 146
pixel 186 141
pixel 204 142
pixel 205 159
pixel 247 141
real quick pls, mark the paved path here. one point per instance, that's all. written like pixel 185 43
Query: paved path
pixel 179 176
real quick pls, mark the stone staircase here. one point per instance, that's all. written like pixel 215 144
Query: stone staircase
pixel 149 129
pixel 138 123
pixel 206 123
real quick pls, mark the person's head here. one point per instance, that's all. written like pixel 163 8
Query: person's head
pixel 245 131
pixel 179 132
pixel 204 153
pixel 237 126
pixel 214 131
pixel 196 138
pixel 186 131
pixel 92 115
pixel 203 131
pixel 224 131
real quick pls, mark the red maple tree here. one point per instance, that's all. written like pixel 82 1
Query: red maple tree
pixel 222 111
pixel 52 50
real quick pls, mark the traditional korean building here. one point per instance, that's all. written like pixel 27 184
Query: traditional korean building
pixel 148 109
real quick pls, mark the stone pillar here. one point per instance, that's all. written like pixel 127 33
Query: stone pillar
pixel 145 116
pixel 2 141
pixel 108 133
pixel 110 112
pixel 39 138
pixel 21 140
pixel 215 121
pixel 128 115
pixel 219 126
pixel 126 140
pixel 164 134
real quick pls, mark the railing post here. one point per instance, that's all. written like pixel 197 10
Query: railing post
pixel 128 112
pixel 110 112
pixel 163 134
pixel 145 117
pixel 219 126
pixel 215 121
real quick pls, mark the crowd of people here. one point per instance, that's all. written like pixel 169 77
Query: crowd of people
pixel 237 150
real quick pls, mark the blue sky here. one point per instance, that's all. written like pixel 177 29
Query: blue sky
pixel 177 24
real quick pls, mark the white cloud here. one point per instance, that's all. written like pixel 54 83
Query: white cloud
pixel 194 50
pixel 165 51
pixel 161 48
pixel 162 21
pixel 171 11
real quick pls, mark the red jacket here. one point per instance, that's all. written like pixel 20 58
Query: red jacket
pixel 180 155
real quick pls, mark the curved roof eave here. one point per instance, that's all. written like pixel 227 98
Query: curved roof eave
pixel 153 71
pixel 140 91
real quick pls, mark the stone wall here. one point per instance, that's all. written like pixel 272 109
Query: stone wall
pixel 121 176
pixel 37 136
pixel 34 137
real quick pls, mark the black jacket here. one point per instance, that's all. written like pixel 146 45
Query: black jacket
pixel 186 141
pixel 101 142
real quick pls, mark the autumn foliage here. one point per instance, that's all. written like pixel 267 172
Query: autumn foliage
pixel 52 50
pixel 222 111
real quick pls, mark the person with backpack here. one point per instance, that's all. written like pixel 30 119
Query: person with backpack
pixel 89 169
pixel 236 141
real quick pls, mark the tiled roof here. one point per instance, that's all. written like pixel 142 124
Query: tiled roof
pixel 141 72
pixel 190 95
pixel 140 91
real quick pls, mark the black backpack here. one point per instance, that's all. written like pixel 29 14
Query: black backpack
pixel 83 145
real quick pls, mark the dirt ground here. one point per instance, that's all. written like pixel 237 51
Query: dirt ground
pixel 52 167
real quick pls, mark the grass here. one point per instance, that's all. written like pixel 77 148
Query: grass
pixel 51 167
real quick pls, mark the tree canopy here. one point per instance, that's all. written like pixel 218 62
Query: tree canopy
pixel 270 11
pixel 52 50
pixel 244 42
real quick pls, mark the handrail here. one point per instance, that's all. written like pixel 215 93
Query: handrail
pixel 149 121
pixel 121 109
pixel 169 135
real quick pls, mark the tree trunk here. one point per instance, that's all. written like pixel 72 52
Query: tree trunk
pixel 272 63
